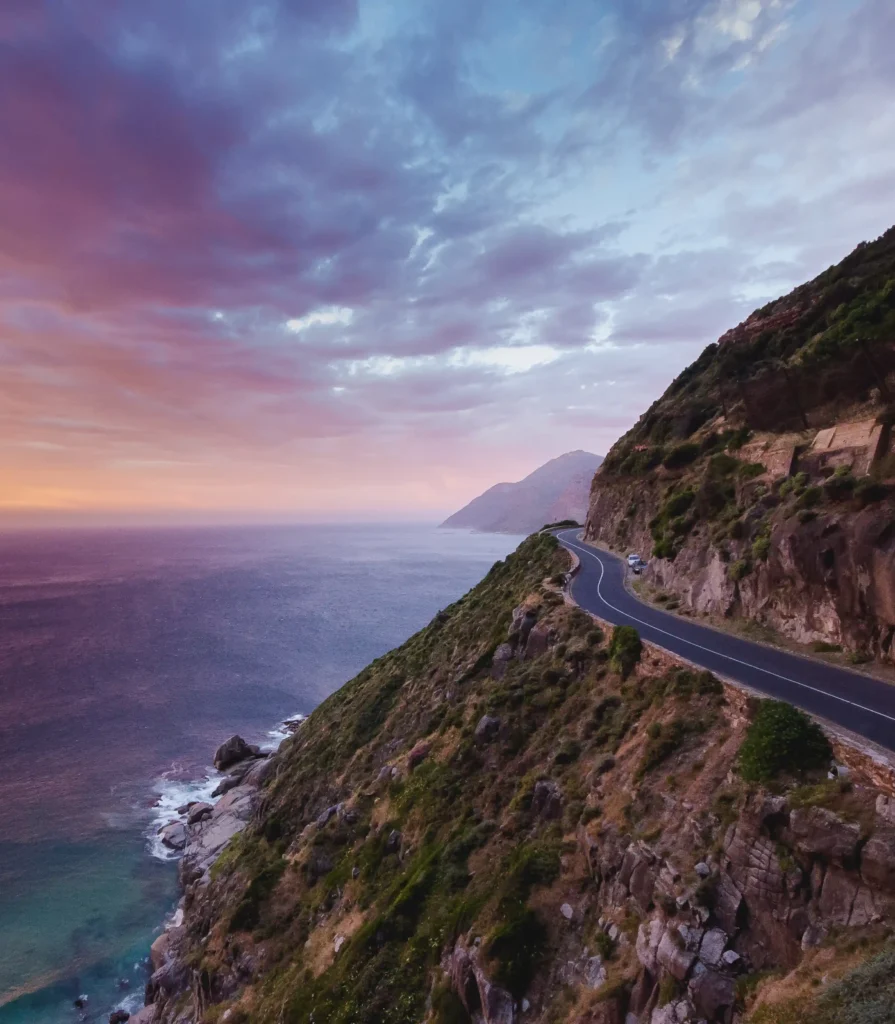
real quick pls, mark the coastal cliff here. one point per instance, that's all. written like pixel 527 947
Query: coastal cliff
pixel 761 485
pixel 517 816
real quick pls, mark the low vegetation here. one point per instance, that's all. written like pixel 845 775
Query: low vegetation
pixel 781 739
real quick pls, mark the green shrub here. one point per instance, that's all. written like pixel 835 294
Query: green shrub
pixel 750 470
pixel 605 945
pixel 722 464
pixel 737 438
pixel 822 647
pixel 681 455
pixel 517 946
pixel 625 650
pixel 761 548
pixel 810 498
pixel 781 738
pixel 840 485
pixel 736 530
pixel 869 491
pixel 738 570
pixel 447 1007
pixel 248 911
pixel 865 995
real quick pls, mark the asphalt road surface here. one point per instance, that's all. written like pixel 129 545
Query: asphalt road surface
pixel 854 701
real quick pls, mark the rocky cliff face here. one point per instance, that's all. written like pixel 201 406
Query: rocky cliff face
pixel 510 819
pixel 762 484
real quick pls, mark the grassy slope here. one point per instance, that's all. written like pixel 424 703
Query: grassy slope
pixel 454 848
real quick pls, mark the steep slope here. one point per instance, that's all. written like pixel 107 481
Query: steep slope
pixel 761 482
pixel 556 491
pixel 514 818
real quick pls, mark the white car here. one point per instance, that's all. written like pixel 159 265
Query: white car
pixel 634 560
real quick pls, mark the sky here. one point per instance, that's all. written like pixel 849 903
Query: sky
pixel 365 258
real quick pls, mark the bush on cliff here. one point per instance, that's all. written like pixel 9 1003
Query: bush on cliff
pixel 782 739
pixel 625 649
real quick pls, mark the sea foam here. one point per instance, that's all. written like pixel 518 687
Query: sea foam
pixel 173 792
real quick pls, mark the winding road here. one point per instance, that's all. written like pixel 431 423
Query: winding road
pixel 856 702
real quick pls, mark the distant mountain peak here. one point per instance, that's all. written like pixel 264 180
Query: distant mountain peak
pixel 555 491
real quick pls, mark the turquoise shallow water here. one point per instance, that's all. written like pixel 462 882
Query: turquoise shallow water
pixel 125 657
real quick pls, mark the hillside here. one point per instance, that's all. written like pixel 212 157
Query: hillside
pixel 761 482
pixel 515 817
pixel 556 491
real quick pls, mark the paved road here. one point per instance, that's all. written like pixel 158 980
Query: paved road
pixel 863 705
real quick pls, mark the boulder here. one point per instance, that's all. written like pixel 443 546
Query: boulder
pixel 233 751
pixel 732 960
pixel 158 951
pixel 119 1016
pixel 586 970
pixel 174 835
pixel 638 876
pixel 230 781
pixel 649 935
pixel 714 942
pixel 419 754
pixel 821 833
pixel 259 771
pixel 487 729
pixel 673 956
pixel 728 906
pixel 678 1012
pixel 546 799
pixel 712 993
pixel 393 843
pixel 330 812
pixel 522 623
pixel 500 661
pixel 198 812
pixel 878 858
pixel 539 640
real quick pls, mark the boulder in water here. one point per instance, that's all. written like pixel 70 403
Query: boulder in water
pixel 233 751
pixel 173 835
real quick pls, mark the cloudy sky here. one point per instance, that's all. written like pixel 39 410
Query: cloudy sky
pixel 370 256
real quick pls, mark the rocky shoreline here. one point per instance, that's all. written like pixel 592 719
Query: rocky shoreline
pixel 199 836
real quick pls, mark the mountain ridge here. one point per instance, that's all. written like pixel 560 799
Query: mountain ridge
pixel 556 491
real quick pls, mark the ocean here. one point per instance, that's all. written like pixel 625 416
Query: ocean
pixel 126 657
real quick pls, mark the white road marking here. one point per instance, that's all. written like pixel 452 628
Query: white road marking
pixel 709 650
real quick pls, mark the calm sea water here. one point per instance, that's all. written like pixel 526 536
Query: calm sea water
pixel 125 657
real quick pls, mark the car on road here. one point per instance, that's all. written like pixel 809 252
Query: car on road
pixel 634 560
